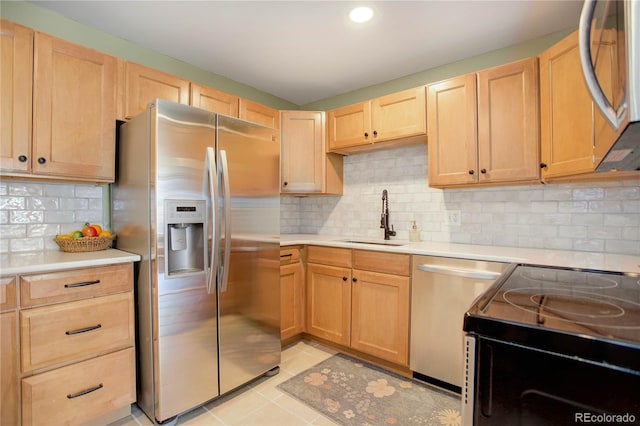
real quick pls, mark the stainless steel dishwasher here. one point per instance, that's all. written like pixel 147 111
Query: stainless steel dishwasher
pixel 442 290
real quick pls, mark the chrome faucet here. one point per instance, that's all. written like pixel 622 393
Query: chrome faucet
pixel 384 217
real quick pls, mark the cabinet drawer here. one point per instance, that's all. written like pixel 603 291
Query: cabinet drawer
pixel 7 293
pixel 330 256
pixel 288 256
pixel 75 285
pixel 63 332
pixel 376 261
pixel 80 392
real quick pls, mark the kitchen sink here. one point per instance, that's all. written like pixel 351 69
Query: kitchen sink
pixel 376 242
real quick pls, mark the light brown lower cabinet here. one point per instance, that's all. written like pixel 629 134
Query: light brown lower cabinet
pixel 68 354
pixel 9 370
pixel 291 294
pixel 360 299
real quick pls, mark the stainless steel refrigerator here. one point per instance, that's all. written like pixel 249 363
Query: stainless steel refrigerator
pixel 197 197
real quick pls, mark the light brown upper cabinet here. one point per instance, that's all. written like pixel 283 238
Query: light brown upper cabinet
pixel 259 114
pixel 453 136
pixel 484 128
pixel 395 119
pixel 15 97
pixel 143 85
pixel 306 167
pixel 568 118
pixel 214 100
pixel 74 111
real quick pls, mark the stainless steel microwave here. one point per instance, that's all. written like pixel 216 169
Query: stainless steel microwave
pixel 609 33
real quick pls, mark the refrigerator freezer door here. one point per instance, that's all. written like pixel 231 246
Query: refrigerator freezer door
pixel 185 331
pixel 249 303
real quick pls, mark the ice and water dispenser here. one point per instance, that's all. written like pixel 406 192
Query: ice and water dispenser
pixel 185 236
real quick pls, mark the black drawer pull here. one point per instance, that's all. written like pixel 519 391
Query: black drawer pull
pixel 286 255
pixel 84 392
pixel 82 284
pixel 83 330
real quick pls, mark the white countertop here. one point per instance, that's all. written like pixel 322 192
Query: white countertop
pixel 53 260
pixel 564 258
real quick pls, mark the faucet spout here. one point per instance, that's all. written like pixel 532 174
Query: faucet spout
pixel 384 217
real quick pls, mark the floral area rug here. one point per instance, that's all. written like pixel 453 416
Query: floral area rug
pixel 351 392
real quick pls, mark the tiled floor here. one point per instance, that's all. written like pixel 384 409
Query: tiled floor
pixel 260 403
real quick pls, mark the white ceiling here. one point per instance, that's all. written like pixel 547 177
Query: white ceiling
pixel 303 51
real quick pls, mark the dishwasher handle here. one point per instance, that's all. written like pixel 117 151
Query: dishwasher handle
pixel 466 273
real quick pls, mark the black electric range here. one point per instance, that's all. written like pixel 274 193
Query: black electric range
pixel 547 345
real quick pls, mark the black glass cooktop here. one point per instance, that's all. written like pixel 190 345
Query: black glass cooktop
pixel 560 308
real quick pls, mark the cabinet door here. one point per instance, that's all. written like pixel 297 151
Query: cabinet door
pixel 399 115
pixel 16 61
pixel 349 126
pixel 380 315
pixel 8 369
pixel 214 100
pixel 291 300
pixel 508 129
pixel 328 294
pixel 566 117
pixel 452 131
pixel 259 114
pixel 143 85
pixel 302 154
pixel 74 111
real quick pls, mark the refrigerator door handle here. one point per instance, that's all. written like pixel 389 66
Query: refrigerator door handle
pixel 212 189
pixel 615 117
pixel 227 221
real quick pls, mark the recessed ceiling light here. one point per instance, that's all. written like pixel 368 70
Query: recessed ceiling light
pixel 361 14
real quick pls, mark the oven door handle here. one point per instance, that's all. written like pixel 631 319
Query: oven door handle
pixel 459 272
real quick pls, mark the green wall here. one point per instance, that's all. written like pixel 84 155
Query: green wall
pixel 54 24
pixel 51 23
pixel 476 63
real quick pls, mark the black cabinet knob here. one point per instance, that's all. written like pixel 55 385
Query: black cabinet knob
pixel 22 158
pixel 483 171
pixel 344 278
pixel 375 133
pixel 543 165
pixel 354 280
pixel 366 134
pixel 471 172
pixel 286 183
pixel 42 160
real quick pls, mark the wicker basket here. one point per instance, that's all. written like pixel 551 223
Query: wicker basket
pixel 75 245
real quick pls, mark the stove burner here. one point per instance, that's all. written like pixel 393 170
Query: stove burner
pixel 566 279
pixel 572 306
pixel 581 306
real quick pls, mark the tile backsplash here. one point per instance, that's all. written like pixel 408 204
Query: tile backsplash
pixel 599 217
pixel 32 213
pixel 602 217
